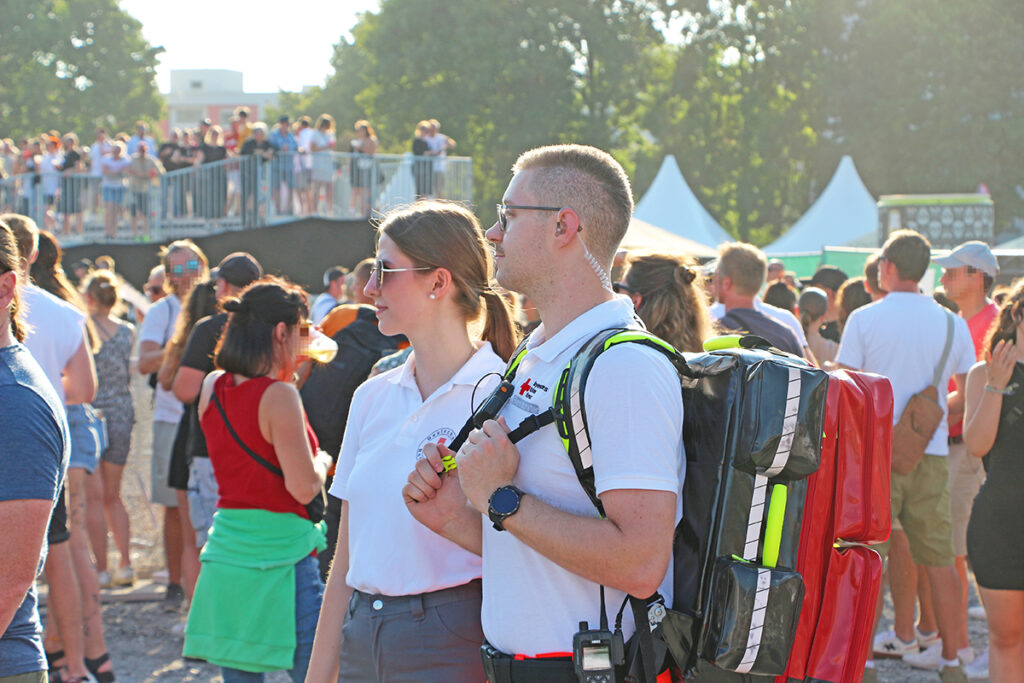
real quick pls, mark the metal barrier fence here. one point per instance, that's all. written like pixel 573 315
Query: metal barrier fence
pixel 232 194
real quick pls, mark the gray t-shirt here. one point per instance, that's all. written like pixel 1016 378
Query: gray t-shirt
pixel 33 460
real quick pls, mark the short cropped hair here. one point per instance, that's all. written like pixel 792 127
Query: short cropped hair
pixel 910 252
pixel 745 265
pixel 590 182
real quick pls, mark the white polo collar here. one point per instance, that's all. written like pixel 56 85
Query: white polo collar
pixel 615 313
pixel 478 365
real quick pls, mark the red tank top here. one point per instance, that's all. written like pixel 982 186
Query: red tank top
pixel 242 482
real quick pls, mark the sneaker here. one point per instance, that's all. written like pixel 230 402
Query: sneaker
pixel 179 628
pixel 978 669
pixel 174 598
pixel 926 640
pixel 888 644
pixel 976 612
pixel 104 578
pixel 124 576
pixel 952 674
pixel 930 658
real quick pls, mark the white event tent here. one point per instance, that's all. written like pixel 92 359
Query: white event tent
pixel 642 236
pixel 671 205
pixel 845 214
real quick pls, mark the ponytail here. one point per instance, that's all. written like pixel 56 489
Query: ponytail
pixel 18 329
pixel 499 329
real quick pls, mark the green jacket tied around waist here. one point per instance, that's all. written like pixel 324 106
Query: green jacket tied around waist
pixel 243 610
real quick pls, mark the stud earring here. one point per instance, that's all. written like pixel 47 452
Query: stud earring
pixel 432 296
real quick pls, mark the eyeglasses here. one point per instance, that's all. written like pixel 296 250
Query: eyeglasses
pixel 154 290
pixel 503 210
pixel 378 270
pixel 620 287
pixel 191 266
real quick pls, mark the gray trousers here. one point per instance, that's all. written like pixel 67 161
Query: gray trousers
pixel 428 637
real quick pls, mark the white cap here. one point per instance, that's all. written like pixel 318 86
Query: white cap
pixel 975 254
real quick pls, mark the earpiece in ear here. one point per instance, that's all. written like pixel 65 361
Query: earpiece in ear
pixel 559 228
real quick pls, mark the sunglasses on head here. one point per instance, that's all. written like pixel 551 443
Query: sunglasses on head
pixel 623 288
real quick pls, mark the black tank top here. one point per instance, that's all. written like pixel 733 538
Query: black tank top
pixel 1004 464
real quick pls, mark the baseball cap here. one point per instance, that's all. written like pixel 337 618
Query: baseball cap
pixel 238 269
pixel 829 277
pixel 283 118
pixel 975 254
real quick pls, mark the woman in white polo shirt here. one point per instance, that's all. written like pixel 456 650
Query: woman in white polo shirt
pixel 403 603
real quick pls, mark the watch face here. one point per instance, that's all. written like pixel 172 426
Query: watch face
pixel 504 501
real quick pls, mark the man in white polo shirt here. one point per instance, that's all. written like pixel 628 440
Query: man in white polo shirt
pixel 902 337
pixel 546 551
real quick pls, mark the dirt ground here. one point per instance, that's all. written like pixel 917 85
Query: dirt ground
pixel 138 632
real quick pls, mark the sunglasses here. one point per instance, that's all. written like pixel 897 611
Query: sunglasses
pixel 191 266
pixel 621 287
pixel 154 290
pixel 503 210
pixel 378 270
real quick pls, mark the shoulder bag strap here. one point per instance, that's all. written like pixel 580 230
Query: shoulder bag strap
pixel 251 453
pixel 945 351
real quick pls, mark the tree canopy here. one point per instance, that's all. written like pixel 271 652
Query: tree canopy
pixel 73 65
pixel 758 99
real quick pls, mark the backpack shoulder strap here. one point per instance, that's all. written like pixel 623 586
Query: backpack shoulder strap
pixel 569 409
pixel 251 453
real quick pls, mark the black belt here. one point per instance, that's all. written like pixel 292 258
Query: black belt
pixel 503 668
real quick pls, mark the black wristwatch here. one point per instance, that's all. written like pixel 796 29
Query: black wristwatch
pixel 504 503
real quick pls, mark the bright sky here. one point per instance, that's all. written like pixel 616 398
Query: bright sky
pixel 276 46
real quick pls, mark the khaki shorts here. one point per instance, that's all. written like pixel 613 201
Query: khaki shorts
pixel 966 476
pixel 33 677
pixel 920 503
pixel 160 464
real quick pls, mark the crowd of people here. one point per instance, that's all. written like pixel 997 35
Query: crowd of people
pixel 54 177
pixel 432 556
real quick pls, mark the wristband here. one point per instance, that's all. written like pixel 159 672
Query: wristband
pixel 1004 392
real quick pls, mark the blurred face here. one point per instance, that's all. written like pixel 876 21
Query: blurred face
pixel 155 287
pixel 401 298
pixel 960 282
pixel 184 268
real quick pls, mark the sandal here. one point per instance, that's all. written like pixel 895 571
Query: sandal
pixel 93 666
pixel 54 670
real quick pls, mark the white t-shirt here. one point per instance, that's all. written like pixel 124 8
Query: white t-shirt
pixel 901 337
pixel 322 306
pixel 304 137
pixel 774 312
pixel 119 166
pixel 51 176
pixel 390 553
pixel 635 414
pixel 96 153
pixel 438 143
pixel 56 332
pixel 158 326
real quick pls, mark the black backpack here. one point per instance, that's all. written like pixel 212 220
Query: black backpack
pixel 327 392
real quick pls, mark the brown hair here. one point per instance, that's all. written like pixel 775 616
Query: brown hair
pixel 851 296
pixel 25 231
pixel 744 264
pixel 9 258
pixel 325 120
pixel 200 302
pixel 781 295
pixel 910 252
pixel 871 273
pixel 363 123
pixel 673 305
pixel 590 182
pixel 247 346
pixel 1004 327
pixel 447 235
pixel 101 286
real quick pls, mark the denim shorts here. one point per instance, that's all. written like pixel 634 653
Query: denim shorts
pixel 88 436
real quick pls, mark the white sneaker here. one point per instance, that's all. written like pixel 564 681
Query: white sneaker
pixel 179 628
pixel 976 612
pixel 978 669
pixel 888 644
pixel 104 578
pixel 926 640
pixel 932 657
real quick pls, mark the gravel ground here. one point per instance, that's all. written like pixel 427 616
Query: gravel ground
pixel 142 646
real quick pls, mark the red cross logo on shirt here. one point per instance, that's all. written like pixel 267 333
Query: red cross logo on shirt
pixel 524 388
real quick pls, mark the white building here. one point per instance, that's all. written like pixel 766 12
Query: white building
pixel 210 93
